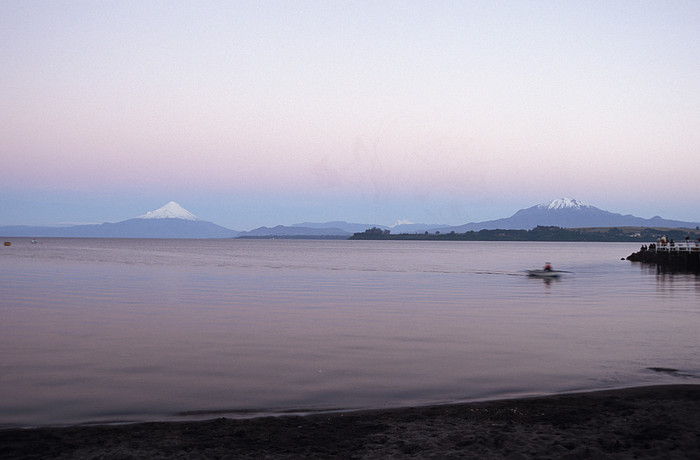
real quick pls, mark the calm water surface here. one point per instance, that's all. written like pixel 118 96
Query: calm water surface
pixel 122 330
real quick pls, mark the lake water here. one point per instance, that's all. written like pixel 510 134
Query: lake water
pixel 95 330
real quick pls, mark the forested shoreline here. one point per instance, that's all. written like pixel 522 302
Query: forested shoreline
pixel 539 233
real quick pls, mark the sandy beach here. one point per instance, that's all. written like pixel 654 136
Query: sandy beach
pixel 643 422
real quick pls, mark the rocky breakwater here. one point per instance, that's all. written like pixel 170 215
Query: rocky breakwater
pixel 684 258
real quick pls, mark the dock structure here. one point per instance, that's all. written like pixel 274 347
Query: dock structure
pixel 683 256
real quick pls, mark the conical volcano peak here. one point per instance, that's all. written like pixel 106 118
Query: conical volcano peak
pixel 171 210
pixel 563 203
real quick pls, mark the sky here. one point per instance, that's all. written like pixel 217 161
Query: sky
pixel 252 113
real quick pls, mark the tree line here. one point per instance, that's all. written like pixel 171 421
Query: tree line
pixel 539 233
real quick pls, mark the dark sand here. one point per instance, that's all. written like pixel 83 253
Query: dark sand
pixel 648 422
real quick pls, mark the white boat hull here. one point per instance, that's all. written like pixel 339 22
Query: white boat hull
pixel 544 273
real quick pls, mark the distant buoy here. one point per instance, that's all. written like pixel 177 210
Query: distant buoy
pixel 7 243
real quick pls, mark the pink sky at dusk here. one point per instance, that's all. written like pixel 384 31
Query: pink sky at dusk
pixel 265 113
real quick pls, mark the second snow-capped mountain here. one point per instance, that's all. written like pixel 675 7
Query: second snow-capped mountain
pixel 567 213
pixel 169 221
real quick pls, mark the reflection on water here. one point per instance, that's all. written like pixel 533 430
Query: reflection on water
pixel 148 329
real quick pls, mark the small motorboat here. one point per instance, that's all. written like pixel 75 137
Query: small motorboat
pixel 544 273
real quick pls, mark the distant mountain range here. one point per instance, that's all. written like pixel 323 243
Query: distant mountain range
pixel 173 221
pixel 169 221
pixel 568 213
pixel 297 231
pixel 563 212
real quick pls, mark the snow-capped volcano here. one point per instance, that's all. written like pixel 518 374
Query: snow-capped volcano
pixel 562 203
pixel 567 213
pixel 171 210
pixel 169 221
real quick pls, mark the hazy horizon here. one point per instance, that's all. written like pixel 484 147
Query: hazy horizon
pixel 182 213
pixel 254 114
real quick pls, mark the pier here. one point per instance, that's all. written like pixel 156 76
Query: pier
pixel 683 256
